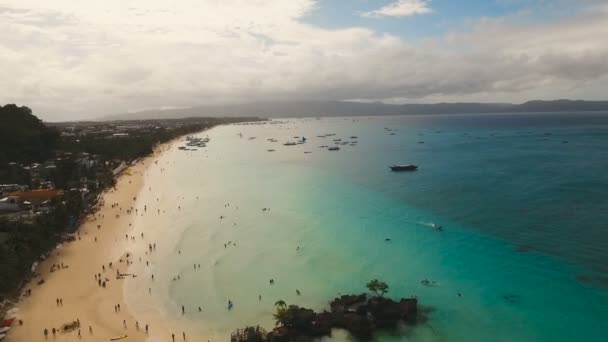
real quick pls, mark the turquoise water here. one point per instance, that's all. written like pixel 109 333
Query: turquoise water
pixel 522 200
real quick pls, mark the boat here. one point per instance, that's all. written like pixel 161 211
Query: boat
pixel 437 226
pixel 270 150
pixel 290 143
pixel 431 225
pixel 3 330
pixel 409 167
pixel 335 148
pixel 118 338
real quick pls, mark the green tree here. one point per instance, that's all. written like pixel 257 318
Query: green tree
pixel 380 288
pixel 281 314
pixel 23 137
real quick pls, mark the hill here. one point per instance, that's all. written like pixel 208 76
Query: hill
pixel 23 137
pixel 343 108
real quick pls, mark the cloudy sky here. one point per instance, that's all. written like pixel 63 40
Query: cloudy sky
pixel 76 59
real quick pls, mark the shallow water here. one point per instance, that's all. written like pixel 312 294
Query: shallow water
pixel 522 200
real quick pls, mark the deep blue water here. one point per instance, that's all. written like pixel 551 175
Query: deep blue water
pixel 538 181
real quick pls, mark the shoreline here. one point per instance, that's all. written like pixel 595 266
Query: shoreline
pixel 100 240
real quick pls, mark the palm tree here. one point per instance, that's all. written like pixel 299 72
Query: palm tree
pixel 280 304
pixel 281 313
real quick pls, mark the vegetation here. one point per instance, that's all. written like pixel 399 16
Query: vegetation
pixel 293 316
pixel 380 288
pixel 23 139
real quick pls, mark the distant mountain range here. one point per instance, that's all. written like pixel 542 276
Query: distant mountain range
pixel 341 108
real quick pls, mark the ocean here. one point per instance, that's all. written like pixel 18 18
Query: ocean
pixel 522 200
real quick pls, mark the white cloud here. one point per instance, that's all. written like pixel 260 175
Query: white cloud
pixel 400 8
pixel 69 60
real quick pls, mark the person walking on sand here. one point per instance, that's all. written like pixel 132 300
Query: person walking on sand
pixel 54 332
pixel 173 337
pixel 146 328
pixel 184 335
pixel 46 333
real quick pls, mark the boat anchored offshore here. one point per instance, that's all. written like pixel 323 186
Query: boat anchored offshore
pixel 409 167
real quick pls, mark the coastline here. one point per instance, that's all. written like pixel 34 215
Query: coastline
pixel 100 240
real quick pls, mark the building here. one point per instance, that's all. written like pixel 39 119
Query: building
pixel 10 203
pixel 36 197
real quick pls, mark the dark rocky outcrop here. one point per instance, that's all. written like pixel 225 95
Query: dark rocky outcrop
pixel 359 315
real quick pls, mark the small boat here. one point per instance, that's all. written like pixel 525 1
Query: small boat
pixel 437 226
pixel 409 167
pixel 4 330
pixel 118 338
pixel 432 225
pixel 335 148
pixel 271 150
pixel 290 143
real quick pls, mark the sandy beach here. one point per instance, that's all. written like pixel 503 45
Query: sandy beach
pixel 103 238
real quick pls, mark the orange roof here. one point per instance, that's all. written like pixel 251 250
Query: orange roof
pixel 38 195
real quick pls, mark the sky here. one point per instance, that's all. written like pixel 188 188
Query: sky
pixel 83 59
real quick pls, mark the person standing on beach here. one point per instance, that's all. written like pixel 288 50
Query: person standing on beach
pixel 46 333
pixel 173 337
